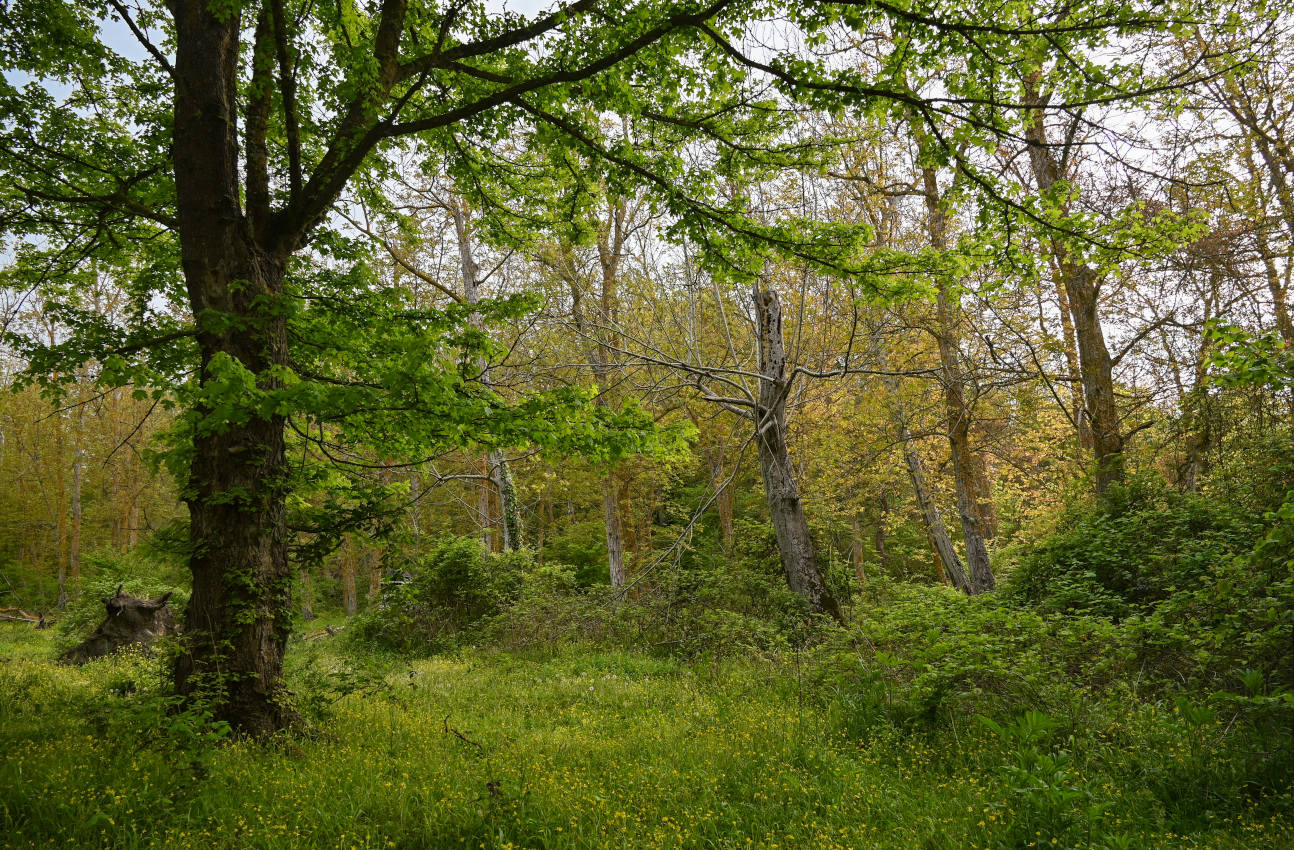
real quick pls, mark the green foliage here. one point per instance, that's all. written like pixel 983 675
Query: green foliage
pixel 1050 799
pixel 925 656
pixel 581 749
pixel 138 574
pixel 1247 359
pixel 1136 546
pixel 452 587
pixel 582 545
pixel 1237 623
pixel 699 605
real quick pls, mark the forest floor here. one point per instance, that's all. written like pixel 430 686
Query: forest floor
pixel 566 749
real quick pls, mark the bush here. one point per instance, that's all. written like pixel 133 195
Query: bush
pixel 929 655
pixel 1131 549
pixel 453 587
pixel 697 605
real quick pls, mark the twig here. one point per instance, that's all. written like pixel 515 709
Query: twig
pixel 466 740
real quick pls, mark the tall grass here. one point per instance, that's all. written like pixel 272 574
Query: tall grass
pixel 572 748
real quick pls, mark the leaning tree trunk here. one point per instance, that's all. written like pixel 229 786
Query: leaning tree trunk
pixel 785 508
pixel 238 617
pixel 942 544
pixel 956 410
pixel 1082 287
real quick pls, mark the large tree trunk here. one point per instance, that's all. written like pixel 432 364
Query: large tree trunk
pixel 794 542
pixel 957 411
pixel 237 623
pixel 1082 286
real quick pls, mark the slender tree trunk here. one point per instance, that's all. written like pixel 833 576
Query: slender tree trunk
pixel 59 510
pixel 882 511
pixel 1276 286
pixel 856 549
pixel 956 409
pixel 483 486
pixel 497 472
pixel 307 597
pixel 785 508
pixel 611 241
pixel 615 532
pixel 349 592
pixel 374 558
pixel 724 500
pixel 940 542
pixel 415 493
pixel 1082 285
pixel 610 252
pixel 509 516
pixel 1069 342
pixel 78 470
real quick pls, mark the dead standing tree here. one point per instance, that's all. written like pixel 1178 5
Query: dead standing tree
pixel 759 397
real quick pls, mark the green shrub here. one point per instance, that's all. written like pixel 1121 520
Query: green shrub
pixel 1134 547
pixel 698 604
pixel 929 655
pixel 454 586
pixel 1236 621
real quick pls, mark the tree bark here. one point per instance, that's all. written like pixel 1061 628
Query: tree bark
pixel 349 567
pixel 882 510
pixel 307 597
pixel 785 508
pixel 1082 286
pixel 615 531
pixel 611 242
pixel 484 516
pixel 509 516
pixel 1069 342
pixel 497 472
pixel 374 558
pixel 856 549
pixel 724 500
pixel 957 411
pixel 78 471
pixel 940 542
pixel 237 622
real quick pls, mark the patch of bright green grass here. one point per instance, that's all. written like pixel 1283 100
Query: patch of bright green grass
pixel 568 750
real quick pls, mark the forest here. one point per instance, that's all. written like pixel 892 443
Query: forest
pixel 650 423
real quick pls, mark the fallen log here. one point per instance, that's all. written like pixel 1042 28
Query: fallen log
pixel 18 615
pixel 328 631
